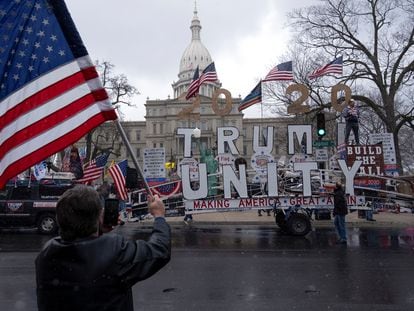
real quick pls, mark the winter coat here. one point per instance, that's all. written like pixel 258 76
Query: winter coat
pixel 340 206
pixel 98 273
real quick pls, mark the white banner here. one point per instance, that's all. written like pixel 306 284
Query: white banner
pixel 203 206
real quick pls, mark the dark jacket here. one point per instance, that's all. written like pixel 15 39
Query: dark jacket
pixel 340 206
pixel 98 273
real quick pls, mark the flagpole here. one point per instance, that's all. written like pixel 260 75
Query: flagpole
pixel 134 158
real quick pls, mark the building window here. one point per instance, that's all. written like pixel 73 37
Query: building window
pixel 161 128
pixel 138 151
pixel 244 150
pixel 154 128
pixel 161 145
pixel 154 145
pixel 138 135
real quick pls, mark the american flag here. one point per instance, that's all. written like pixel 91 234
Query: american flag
pixel 254 97
pixel 118 173
pixel 50 92
pixel 94 169
pixel 281 72
pixel 334 67
pixel 209 74
pixel 194 86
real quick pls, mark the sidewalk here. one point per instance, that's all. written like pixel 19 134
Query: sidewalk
pixel 383 219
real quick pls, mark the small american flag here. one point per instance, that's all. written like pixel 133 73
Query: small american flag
pixel 94 169
pixel 50 92
pixel 209 74
pixel 254 97
pixel 118 173
pixel 334 67
pixel 281 72
pixel 194 86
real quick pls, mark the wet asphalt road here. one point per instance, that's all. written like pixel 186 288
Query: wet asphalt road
pixel 249 268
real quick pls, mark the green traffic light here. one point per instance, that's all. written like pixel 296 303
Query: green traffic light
pixel 321 132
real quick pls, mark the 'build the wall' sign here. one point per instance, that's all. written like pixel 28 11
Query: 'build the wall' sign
pixel 372 158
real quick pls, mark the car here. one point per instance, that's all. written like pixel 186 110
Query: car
pixel 32 204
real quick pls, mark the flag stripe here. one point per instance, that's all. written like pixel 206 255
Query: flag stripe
pixel 38 84
pixel 281 72
pixel 249 103
pixel 9 171
pixel 194 85
pixel 334 67
pixel 254 97
pixel 42 97
pixel 74 124
pixel 50 120
pixel 56 105
pixel 118 173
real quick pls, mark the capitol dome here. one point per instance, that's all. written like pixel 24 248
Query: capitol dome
pixel 195 54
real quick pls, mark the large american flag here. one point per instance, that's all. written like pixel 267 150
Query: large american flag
pixel 334 67
pixel 194 86
pixel 281 72
pixel 94 169
pixel 50 92
pixel 118 173
pixel 254 97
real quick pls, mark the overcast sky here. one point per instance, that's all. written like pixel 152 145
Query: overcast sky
pixel 146 39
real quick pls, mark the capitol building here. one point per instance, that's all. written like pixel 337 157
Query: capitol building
pixel 213 108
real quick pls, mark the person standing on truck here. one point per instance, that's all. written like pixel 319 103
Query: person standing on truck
pixel 339 212
pixel 80 270
pixel 351 115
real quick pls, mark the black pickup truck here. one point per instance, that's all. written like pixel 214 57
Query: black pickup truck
pixel 32 204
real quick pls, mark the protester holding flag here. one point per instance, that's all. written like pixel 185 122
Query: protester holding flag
pixel 82 270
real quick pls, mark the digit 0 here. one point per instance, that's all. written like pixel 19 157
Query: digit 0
pixel 215 106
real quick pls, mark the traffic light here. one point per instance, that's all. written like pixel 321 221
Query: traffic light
pixel 320 124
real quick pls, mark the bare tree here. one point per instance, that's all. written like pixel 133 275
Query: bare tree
pixel 375 38
pixel 120 92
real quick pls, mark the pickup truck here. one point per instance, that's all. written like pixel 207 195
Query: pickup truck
pixel 32 204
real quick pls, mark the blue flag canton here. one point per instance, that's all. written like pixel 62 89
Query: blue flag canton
pixel 337 61
pixel 101 160
pixel 285 66
pixel 210 68
pixel 31 43
pixel 123 167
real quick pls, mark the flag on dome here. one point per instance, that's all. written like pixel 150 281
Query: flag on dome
pixel 50 92
pixel 334 67
pixel 194 86
pixel 118 173
pixel 209 74
pixel 254 97
pixel 281 72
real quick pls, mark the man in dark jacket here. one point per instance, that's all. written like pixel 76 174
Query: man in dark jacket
pixel 80 270
pixel 340 211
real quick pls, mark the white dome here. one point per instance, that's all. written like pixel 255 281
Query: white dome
pixel 196 54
